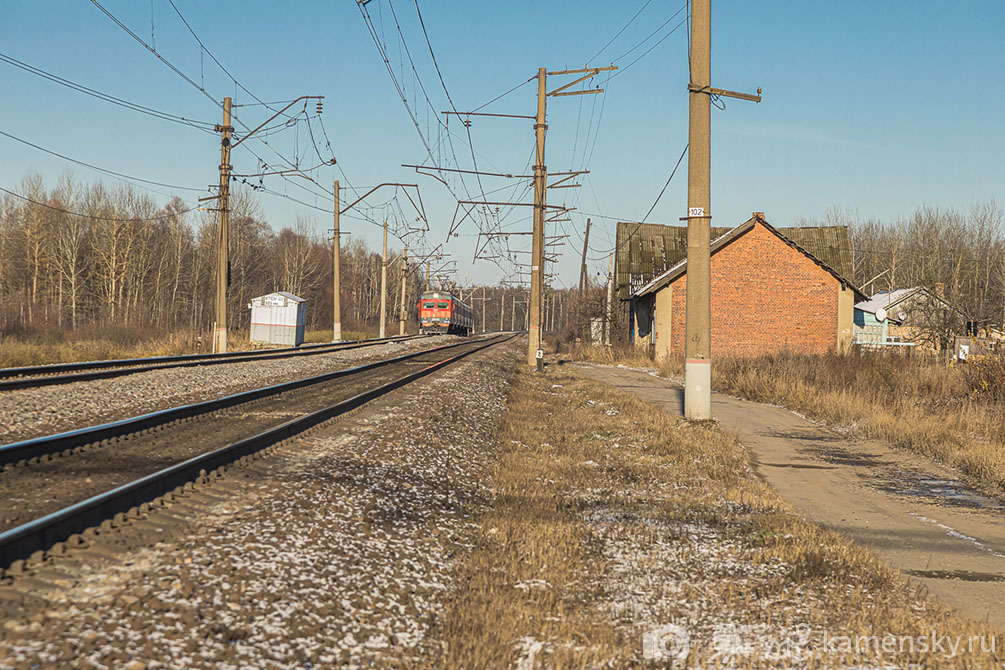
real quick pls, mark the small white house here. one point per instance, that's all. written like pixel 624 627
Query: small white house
pixel 278 318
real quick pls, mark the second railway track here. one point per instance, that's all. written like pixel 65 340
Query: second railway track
pixel 12 379
pixel 46 487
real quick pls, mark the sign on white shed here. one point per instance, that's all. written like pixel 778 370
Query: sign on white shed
pixel 278 318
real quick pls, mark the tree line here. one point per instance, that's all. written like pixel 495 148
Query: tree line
pixel 959 254
pixel 80 254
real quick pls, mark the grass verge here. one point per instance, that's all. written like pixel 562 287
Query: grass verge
pixel 619 532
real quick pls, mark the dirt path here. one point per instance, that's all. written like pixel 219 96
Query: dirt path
pixel 915 514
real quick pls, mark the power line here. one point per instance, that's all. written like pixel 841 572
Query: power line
pixel 442 127
pixel 199 125
pixel 660 41
pixel 618 34
pixel 655 202
pixel 97 218
pixel 650 35
pixel 99 169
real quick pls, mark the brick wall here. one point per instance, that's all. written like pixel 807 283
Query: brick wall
pixel 766 297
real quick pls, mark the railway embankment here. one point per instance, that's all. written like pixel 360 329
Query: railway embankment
pixel 336 550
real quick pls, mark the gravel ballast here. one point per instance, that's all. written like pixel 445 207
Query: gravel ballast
pixel 337 551
pixel 29 413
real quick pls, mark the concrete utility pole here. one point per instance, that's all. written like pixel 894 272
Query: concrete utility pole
pixel 383 286
pixel 485 307
pixel 222 238
pixel 534 313
pixel 427 275
pixel 404 284
pixel 512 323
pixel 582 266
pixel 610 299
pixel 537 247
pixel 223 234
pixel 502 309
pixel 697 331
pixel 336 276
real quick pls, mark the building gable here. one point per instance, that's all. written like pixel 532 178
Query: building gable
pixel 647 250
pixel 766 295
pixel 758 221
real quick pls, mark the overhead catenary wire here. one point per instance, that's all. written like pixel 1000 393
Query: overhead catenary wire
pixel 217 103
pixel 503 95
pixel 622 69
pixel 215 60
pixel 483 219
pixel 439 74
pixel 154 51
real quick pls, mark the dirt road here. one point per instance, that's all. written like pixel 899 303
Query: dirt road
pixel 915 514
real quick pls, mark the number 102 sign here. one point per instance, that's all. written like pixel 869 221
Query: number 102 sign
pixel 696 211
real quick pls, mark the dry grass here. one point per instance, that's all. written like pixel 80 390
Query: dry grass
pixel 43 347
pixel 915 405
pixel 611 518
pixel 629 356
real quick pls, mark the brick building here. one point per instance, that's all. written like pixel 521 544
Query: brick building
pixel 769 292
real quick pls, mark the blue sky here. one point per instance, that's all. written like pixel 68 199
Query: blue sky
pixel 870 107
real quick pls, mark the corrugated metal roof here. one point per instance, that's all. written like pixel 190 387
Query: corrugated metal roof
pixel 647 250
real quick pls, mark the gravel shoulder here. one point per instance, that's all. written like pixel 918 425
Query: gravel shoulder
pixel 336 551
pixel 29 413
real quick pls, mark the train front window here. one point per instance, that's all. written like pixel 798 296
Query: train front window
pixel 428 305
pixel 442 305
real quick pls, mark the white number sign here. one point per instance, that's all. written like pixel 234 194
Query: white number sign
pixel 696 211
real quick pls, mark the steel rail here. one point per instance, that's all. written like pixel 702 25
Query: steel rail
pixel 65 373
pixel 24 540
pixel 15 452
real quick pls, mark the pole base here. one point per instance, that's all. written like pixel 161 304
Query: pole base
pixel 698 389
pixel 220 341
pixel 337 333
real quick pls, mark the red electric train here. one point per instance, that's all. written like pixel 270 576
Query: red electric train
pixel 441 312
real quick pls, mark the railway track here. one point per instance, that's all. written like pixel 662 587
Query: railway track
pixel 12 379
pixel 55 487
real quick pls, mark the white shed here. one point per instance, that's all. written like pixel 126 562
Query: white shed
pixel 278 318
